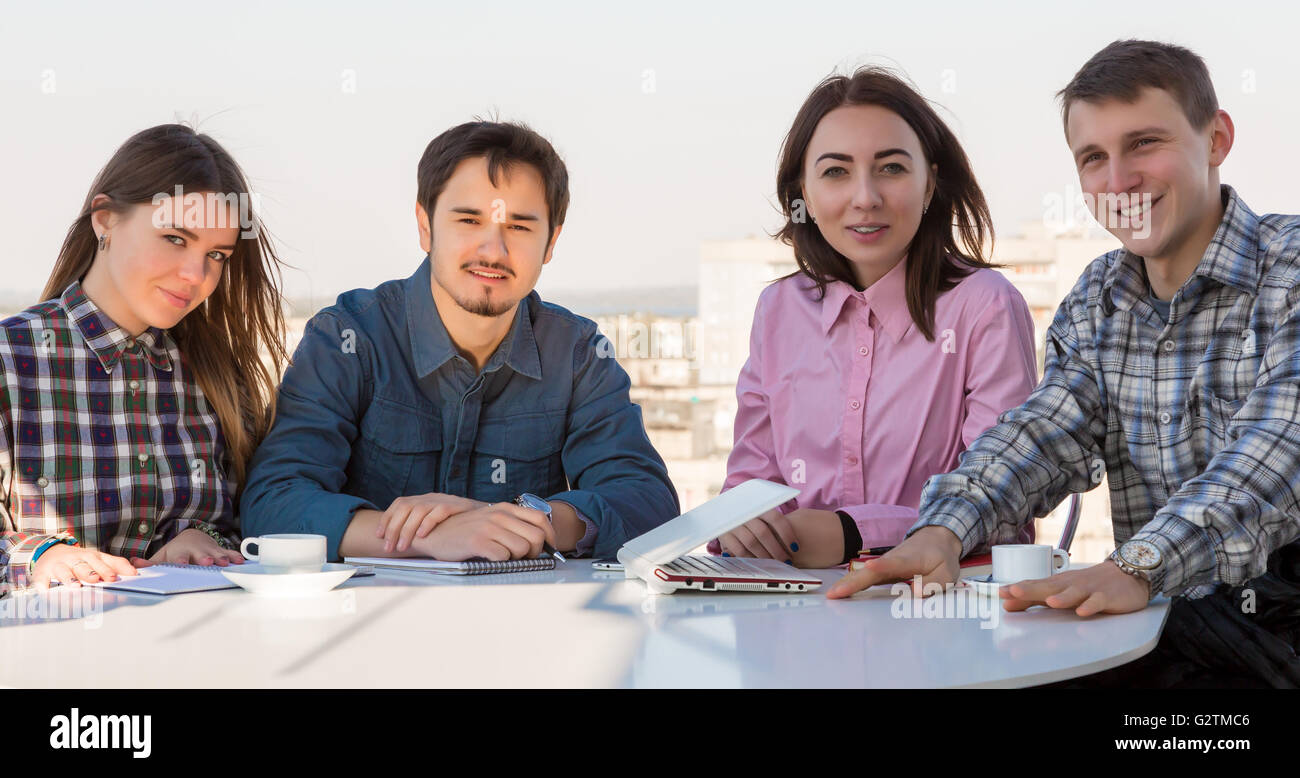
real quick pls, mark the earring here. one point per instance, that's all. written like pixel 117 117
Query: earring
pixel 103 241
pixel 925 208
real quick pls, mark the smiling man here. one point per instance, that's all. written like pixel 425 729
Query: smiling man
pixel 454 414
pixel 1174 367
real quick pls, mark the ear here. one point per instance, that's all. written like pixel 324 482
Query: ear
pixel 551 247
pixel 422 222
pixel 103 220
pixel 1221 137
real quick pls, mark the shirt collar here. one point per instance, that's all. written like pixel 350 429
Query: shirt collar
pixel 887 299
pixel 105 338
pixel 431 345
pixel 1231 259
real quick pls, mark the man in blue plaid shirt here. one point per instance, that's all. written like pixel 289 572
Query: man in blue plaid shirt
pixel 1173 367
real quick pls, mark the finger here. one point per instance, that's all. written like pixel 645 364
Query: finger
pixel 118 565
pixel 138 562
pixel 381 528
pixel 395 524
pixel 1096 603
pixel 727 544
pixel 489 548
pixel 749 545
pixel 766 538
pixel 1070 597
pixel 531 534
pixel 517 544
pixel 103 570
pixel 432 519
pixel 1037 590
pixel 783 529
pixel 65 575
pixel 534 517
pixel 1014 605
pixel 409 525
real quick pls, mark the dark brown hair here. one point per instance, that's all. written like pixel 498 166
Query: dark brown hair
pixel 504 144
pixel 222 340
pixel 949 242
pixel 1124 68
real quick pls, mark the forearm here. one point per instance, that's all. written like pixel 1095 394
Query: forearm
pixel 359 538
pixel 569 529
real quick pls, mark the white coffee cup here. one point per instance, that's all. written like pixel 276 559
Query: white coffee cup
pixel 287 553
pixel 1026 562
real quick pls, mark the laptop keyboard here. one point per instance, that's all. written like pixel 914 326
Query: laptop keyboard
pixel 711 565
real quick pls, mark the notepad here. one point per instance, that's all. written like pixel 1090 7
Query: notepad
pixel 170 579
pixel 455 568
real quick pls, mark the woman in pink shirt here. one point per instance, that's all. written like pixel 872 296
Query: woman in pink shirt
pixel 893 346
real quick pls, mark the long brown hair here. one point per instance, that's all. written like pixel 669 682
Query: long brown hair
pixel 221 339
pixel 957 223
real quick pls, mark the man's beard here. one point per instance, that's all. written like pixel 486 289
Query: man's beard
pixel 488 305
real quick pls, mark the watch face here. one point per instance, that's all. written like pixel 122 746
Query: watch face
pixel 1140 554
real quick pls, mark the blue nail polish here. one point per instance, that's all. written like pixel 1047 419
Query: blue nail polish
pixel 794 546
pixel 788 562
pixel 724 553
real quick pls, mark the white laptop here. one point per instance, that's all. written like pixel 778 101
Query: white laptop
pixel 659 556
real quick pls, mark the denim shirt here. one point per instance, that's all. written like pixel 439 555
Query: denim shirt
pixel 378 404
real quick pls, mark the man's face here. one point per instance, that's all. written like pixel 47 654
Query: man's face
pixel 488 242
pixel 1152 177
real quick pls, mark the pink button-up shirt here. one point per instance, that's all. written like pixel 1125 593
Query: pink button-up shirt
pixel 845 399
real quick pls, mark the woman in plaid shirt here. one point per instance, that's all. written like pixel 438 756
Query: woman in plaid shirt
pixel 133 397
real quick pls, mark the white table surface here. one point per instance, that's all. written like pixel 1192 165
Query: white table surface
pixel 573 627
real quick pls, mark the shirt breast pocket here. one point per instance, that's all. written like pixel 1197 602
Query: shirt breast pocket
pixel 1211 417
pixel 517 454
pixel 401 451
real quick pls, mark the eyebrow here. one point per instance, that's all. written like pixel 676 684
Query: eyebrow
pixel 849 157
pixel 514 217
pixel 192 236
pixel 1128 136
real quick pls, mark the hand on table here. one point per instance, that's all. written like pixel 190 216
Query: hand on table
pixel 770 536
pixel 73 565
pixel 191 547
pixel 496 532
pixel 1102 588
pixel 416 516
pixel 931 552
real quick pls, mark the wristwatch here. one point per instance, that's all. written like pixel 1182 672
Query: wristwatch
pixel 1138 558
pixel 527 500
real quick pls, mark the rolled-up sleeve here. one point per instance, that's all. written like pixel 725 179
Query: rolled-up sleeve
pixel 298 471
pixel 620 483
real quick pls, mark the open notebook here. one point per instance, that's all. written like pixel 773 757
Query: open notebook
pixel 455 568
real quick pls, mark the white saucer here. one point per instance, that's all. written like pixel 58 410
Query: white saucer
pixel 982 585
pixel 258 580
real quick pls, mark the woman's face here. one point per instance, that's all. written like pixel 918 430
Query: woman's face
pixel 161 262
pixel 865 181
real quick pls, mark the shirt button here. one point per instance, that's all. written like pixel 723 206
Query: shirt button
pixel 855 405
pixel 42 482
pixel 1165 418
pixel 853 460
pixel 133 384
pixel 143 458
pixel 130 343
pixel 862 350
pixel 1169 345
pixel 144 527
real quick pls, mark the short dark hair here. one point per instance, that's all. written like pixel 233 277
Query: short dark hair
pixel 1124 68
pixel 949 242
pixel 504 144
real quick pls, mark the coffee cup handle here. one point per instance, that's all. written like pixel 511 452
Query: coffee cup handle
pixel 243 549
pixel 1064 557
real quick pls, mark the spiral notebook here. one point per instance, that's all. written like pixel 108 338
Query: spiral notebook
pixel 455 568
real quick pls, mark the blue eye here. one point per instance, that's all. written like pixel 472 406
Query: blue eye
pixel 897 168
pixel 175 240
pixel 833 172
pixel 217 256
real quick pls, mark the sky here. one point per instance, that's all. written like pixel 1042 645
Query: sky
pixel 670 115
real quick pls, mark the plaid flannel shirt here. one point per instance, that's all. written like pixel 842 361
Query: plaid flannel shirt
pixel 104 438
pixel 1195 422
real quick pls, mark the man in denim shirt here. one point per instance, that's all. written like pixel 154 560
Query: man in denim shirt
pixel 415 414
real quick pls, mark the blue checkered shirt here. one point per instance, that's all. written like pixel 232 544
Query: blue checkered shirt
pixel 1195 422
